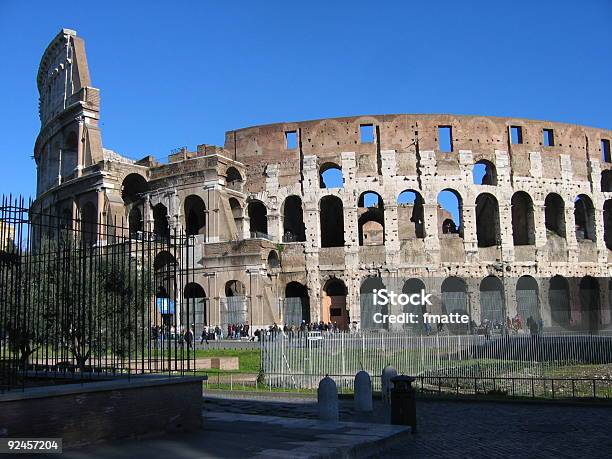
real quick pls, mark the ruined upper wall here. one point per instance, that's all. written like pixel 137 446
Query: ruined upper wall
pixel 62 73
pixel 408 134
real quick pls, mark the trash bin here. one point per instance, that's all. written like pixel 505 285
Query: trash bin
pixel 403 402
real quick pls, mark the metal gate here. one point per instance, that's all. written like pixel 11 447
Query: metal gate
pixel 233 310
pixel 492 306
pixel 456 302
pixel 293 310
pixel 527 304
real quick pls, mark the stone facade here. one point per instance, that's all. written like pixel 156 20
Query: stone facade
pixel 262 214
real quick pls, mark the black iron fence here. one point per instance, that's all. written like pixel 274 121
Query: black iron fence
pixel 83 296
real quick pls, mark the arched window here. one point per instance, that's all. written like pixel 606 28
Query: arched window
pixel 368 306
pixel 296 304
pixel 332 221
pixel 484 173
pixel 487 220
pixel 558 299
pixel 334 303
pixel 584 217
pixel 492 301
pixel 371 219
pixel 133 188
pixel 410 215
pixel 195 215
pixel 414 287
pixel 523 226
pixel 165 267
pixel 233 179
pixel 455 300
pixel 450 207
pixel 161 227
pixel 234 305
pixel 330 176
pixel 527 300
pixel 554 215
pixel 589 303
pixel 196 310
pixel 258 219
pixel 293 220
pixel 273 260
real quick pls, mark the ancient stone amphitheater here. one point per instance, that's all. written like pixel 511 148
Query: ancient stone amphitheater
pixel 293 221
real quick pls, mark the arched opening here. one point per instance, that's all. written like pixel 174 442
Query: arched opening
pixel 89 223
pixel 165 267
pixel 334 303
pixel 367 291
pixel 584 218
pixel 233 178
pixel 492 301
pixel 558 299
pixel 606 181
pixel 589 303
pixel 258 219
pixel 371 219
pixel 330 176
pixel 455 301
pixel 607 216
pixel 484 173
pixel 448 226
pixel 70 155
pixel 413 288
pixel 195 215
pixel 133 188
pixel 293 220
pixel 135 222
pixel 196 309
pixel 527 301
pixel 332 221
pixel 554 215
pixel 234 305
pixel 523 224
pixel 450 208
pixel 236 209
pixel 297 304
pixel 411 215
pixel 487 220
pixel 161 227
pixel 273 260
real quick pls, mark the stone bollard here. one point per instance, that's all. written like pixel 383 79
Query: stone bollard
pixel 363 392
pixel 327 400
pixel 403 402
pixel 386 384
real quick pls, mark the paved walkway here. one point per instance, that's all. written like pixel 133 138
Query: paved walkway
pixel 245 425
pixel 465 429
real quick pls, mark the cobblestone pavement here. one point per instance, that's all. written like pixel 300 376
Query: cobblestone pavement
pixel 464 429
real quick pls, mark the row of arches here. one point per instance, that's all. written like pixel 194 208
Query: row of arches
pixel 454 298
pixel 484 172
pixel 371 216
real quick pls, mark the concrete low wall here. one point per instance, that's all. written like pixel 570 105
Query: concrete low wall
pixel 102 411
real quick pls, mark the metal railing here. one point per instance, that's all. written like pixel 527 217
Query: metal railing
pixel 80 298
pixel 461 356
pixel 453 387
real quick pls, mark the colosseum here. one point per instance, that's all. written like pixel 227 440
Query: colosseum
pixel 299 220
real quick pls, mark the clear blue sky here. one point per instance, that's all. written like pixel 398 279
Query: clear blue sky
pixel 182 73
